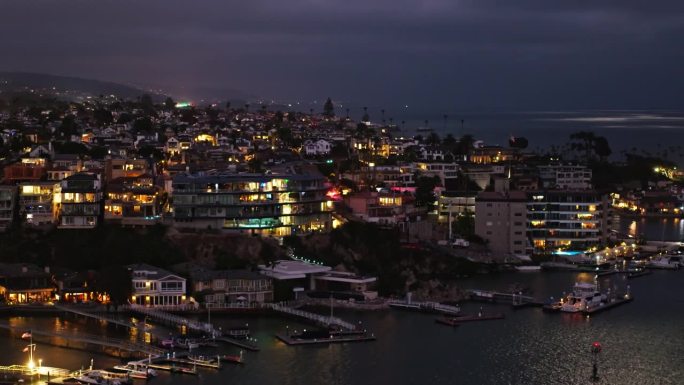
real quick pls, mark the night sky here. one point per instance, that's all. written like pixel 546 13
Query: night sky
pixel 449 54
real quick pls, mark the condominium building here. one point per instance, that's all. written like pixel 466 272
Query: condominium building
pixel 567 219
pixel 519 222
pixel 78 202
pixel 275 203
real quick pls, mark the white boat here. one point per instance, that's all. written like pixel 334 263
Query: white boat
pixel 584 297
pixel 137 370
pixel 187 344
pixel 528 268
pixel 663 262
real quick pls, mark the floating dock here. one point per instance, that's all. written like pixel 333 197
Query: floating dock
pixel 333 339
pixel 456 321
pixel 245 344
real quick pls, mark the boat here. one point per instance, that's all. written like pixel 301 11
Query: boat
pixel 237 359
pixel 112 377
pixel 239 332
pixel 87 380
pixel 424 129
pixel 584 297
pixel 139 371
pixel 663 262
pixel 186 344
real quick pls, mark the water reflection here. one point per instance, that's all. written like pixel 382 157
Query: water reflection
pixel 654 229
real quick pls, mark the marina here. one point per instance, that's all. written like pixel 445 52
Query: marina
pixel 485 306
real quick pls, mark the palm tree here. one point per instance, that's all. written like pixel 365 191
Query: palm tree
pixel 445 121
pixel 246 107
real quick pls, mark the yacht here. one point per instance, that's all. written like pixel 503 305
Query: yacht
pixel 584 297
pixel 137 371
pixel 663 262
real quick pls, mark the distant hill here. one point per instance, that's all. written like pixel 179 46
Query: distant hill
pixel 19 81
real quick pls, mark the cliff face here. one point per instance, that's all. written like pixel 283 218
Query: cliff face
pixel 368 249
pixel 224 251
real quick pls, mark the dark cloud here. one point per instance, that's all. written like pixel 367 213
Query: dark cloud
pixel 476 54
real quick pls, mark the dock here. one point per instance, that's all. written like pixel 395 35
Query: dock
pixel 516 300
pixel 99 317
pixel 105 342
pixel 333 339
pixel 174 320
pixel 244 344
pixel 425 307
pixel 456 321
pixel 327 321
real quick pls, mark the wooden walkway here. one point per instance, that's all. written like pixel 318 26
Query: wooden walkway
pixel 115 343
pixel 317 318
pixel 99 317
pixel 174 320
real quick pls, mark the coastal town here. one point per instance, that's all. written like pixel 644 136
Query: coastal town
pixel 167 210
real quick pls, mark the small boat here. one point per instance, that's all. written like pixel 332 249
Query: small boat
pixel 112 377
pixel 663 262
pixel 137 371
pixel 186 344
pixel 237 359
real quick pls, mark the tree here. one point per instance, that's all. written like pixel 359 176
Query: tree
pixel 143 124
pixel 227 106
pixel 329 108
pixel 169 103
pixel 425 191
pixel 449 141
pixel 365 118
pixel 102 116
pixel 432 139
pixel 68 126
pixel 146 103
pixel 465 144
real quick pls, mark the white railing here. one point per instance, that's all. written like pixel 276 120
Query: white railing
pixel 324 320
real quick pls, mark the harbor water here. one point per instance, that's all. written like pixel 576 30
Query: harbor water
pixel 643 342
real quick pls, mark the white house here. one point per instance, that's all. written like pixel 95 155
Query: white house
pixel 317 147
pixel 153 286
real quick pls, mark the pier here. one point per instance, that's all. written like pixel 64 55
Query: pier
pixel 105 342
pixel 517 300
pixel 322 320
pixel 174 320
pixel 99 317
pixel 332 339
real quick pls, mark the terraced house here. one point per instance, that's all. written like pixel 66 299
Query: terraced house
pixel 277 203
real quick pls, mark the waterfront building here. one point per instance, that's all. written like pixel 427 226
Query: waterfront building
pixel 22 283
pixel 279 203
pixel 518 222
pixel 344 285
pixel 8 198
pixel 79 201
pixel 567 219
pixel 35 202
pixel 156 287
pixel 292 278
pixel 217 288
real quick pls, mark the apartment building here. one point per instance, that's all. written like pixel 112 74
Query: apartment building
pixel 79 201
